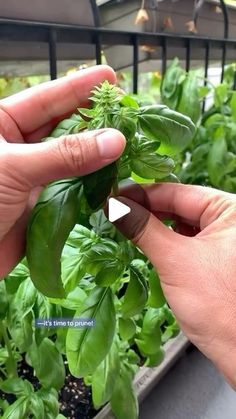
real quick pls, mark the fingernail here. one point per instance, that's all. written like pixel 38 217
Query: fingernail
pixel 111 144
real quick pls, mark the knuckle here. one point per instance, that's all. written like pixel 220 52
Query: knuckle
pixel 75 151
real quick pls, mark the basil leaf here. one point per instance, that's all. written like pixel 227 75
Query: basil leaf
pixel 156 298
pixel 136 294
pixel 17 386
pixel 124 401
pixel 171 84
pixel 36 407
pixel 51 222
pixel 3 300
pixel 216 161
pixel 82 356
pixel 171 128
pixel 149 339
pixel 41 357
pixel 106 261
pixel 20 316
pixel 98 185
pixel 70 125
pixel 189 103
pixel 17 410
pixel 151 166
pixel 104 377
pixel 127 328
pixel 156 359
pixel 50 401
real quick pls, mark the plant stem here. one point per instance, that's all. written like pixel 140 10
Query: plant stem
pixel 12 363
pixel 115 188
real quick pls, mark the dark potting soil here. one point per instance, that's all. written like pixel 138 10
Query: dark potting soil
pixel 74 398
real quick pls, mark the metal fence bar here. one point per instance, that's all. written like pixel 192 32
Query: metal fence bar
pixel 188 54
pixel 223 61
pixel 164 56
pixel 98 49
pixel 52 54
pixel 135 63
pixel 207 59
pixel 55 34
pixel 226 18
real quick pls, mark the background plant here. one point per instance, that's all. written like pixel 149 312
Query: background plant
pixel 210 159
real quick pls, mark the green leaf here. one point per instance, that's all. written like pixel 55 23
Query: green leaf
pixel 136 294
pixel 149 340
pixel 88 113
pixel 156 359
pixel 171 84
pixel 220 94
pixel 101 225
pixel 43 309
pixel 71 125
pixel 125 120
pixel 151 166
pixel 156 298
pixel 124 401
pixel 106 261
pixel 203 91
pixel 98 185
pixel 43 356
pixel 82 356
pixel 82 238
pixel 233 105
pixel 51 222
pixel 14 279
pixel 73 301
pixel 216 159
pixel 189 103
pixel 172 129
pixel 127 328
pixel 36 407
pixel 104 377
pixel 72 271
pixel 129 102
pixel 3 300
pixel 50 401
pixel 20 314
pixel 17 410
pixel 17 386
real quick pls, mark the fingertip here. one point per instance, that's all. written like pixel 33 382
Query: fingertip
pixel 111 144
pixel 108 73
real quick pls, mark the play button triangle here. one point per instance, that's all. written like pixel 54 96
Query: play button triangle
pixel 116 210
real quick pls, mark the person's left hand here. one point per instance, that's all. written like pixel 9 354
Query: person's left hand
pixel 26 164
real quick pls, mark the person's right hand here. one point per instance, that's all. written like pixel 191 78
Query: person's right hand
pixel 196 262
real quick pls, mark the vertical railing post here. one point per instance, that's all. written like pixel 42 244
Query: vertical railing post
pixel 188 55
pixel 163 56
pixel 223 61
pixel 98 48
pixel 135 63
pixel 52 53
pixel 207 57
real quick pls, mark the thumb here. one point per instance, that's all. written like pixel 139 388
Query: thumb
pixel 160 244
pixel 67 156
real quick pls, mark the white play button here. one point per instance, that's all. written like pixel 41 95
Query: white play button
pixel 116 210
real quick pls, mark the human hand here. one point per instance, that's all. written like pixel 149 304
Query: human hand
pixel 196 262
pixel 26 164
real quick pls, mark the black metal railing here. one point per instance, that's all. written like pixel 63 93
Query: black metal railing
pixel 54 34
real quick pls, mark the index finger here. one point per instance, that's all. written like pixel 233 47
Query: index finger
pixel 37 106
